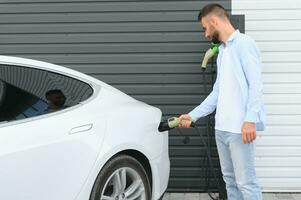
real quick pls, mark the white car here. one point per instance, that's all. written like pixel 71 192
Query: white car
pixel 67 136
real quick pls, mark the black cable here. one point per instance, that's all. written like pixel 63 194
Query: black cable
pixel 207 145
pixel 207 159
pixel 186 140
pixel 209 163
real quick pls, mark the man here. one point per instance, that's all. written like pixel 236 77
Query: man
pixel 56 100
pixel 237 98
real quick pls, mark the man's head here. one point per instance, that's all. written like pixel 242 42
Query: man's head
pixel 56 98
pixel 213 18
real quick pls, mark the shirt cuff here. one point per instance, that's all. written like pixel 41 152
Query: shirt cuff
pixel 193 115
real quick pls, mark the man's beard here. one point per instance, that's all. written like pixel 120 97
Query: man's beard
pixel 215 37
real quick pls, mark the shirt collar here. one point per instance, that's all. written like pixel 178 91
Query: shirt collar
pixel 233 36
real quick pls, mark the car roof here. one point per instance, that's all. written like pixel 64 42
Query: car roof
pixel 26 62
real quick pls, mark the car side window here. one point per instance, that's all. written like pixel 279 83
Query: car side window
pixel 27 92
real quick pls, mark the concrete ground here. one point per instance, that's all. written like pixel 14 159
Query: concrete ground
pixel 204 196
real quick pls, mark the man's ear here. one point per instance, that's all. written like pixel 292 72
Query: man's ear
pixel 213 21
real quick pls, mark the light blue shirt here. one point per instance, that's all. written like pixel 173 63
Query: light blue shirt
pixel 246 64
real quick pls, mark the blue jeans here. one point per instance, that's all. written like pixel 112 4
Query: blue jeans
pixel 237 165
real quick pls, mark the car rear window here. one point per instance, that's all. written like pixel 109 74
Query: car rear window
pixel 27 92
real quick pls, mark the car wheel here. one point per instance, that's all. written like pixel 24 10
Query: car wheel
pixel 161 197
pixel 122 178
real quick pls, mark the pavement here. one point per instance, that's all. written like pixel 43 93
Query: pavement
pixel 205 196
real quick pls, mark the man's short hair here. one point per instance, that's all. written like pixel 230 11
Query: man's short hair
pixel 215 9
pixel 55 91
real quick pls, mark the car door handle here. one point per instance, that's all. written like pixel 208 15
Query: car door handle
pixel 80 129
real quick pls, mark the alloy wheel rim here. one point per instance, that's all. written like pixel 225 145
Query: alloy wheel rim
pixel 124 184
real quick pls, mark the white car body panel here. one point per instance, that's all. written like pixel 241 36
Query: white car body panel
pixel 59 155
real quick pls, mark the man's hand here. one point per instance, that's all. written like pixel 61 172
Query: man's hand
pixel 184 121
pixel 248 131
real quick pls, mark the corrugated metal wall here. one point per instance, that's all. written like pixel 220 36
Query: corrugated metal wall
pixel 151 50
pixel 275 25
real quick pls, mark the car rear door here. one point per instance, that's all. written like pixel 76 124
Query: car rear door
pixel 45 153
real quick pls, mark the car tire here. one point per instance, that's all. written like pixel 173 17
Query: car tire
pixel 161 197
pixel 123 177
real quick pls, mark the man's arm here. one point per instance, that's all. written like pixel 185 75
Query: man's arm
pixel 251 63
pixel 204 109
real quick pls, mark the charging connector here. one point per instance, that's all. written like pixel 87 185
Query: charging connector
pixel 171 123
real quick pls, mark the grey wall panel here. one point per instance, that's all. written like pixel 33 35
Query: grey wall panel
pixel 106 48
pixel 175 89
pixel 130 27
pixel 98 6
pixel 139 68
pixel 103 38
pixel 139 16
pixel 150 49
